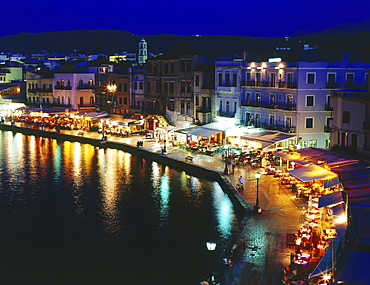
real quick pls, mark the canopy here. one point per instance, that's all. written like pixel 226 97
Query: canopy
pixel 331 182
pixel 312 172
pixel 294 157
pixel 326 263
pixel 204 132
pixel 331 199
pixel 356 183
pixel 266 139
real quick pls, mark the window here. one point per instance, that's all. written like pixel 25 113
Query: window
pixel 309 123
pixel 125 87
pixel 220 79
pixel 272 79
pixel 188 108
pixel 346 117
pixel 313 143
pixel 119 89
pixel 182 87
pixel 165 87
pixel 172 88
pixel 248 97
pixel 258 78
pixel 120 100
pixel 350 77
pixel 227 79
pixel 235 79
pixel 331 77
pixel 258 98
pixel 135 85
pixel 311 78
pixel 141 85
pixel 188 86
pixel 310 100
pixel 157 86
pixel 125 100
pixel 148 87
pixel 182 111
pixel 271 120
pixel 196 80
pixel 272 98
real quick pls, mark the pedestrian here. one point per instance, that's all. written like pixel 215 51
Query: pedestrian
pixel 232 166
pixel 240 180
pixel 226 170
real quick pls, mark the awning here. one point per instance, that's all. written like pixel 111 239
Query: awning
pixel 331 199
pixel 266 139
pixel 294 157
pixel 312 172
pixel 204 132
pixel 326 263
pixel 331 182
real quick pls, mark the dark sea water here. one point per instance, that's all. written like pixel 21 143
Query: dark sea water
pixel 73 213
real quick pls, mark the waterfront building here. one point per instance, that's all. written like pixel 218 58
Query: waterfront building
pixel 40 87
pixel 74 90
pixel 289 97
pixel 350 126
pixel 118 93
pixel 171 89
pixel 137 95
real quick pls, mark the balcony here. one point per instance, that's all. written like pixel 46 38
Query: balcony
pixel 226 114
pixel 332 85
pixel 45 90
pixel 85 87
pixel 246 103
pixel 62 87
pixel 31 90
pixel 350 85
pixel 203 109
pixel 327 129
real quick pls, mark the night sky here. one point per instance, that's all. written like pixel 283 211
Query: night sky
pixel 266 18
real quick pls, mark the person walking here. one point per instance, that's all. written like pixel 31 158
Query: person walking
pixel 240 179
pixel 232 166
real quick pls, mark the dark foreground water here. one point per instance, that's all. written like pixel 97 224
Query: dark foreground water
pixel 72 213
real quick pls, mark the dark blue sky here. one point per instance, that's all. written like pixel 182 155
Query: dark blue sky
pixel 234 17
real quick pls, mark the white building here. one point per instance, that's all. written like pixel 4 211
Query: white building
pixel 74 90
pixel 289 97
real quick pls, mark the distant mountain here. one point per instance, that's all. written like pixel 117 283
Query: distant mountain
pixel 115 41
pixel 344 28
pixel 347 28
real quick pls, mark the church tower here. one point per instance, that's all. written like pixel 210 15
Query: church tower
pixel 143 52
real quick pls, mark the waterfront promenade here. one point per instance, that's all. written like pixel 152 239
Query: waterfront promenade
pixel 264 233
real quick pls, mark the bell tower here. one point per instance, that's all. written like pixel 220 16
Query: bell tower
pixel 143 52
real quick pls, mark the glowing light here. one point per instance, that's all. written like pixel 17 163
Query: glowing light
pixel 112 88
pixel 211 246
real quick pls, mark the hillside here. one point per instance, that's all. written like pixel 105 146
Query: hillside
pixel 113 41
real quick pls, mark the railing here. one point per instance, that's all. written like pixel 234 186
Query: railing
pixel 85 87
pixel 332 85
pixel 245 103
pixel 31 90
pixel 327 129
pixel 350 85
pixel 45 90
pixel 203 109
pixel 226 114
pixel 62 87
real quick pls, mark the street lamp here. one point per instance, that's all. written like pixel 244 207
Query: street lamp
pixel 211 246
pixel 257 208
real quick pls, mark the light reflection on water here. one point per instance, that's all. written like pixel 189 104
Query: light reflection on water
pixel 113 214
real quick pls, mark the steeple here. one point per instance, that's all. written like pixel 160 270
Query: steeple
pixel 143 51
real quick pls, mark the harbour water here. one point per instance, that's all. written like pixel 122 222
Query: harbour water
pixel 73 213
